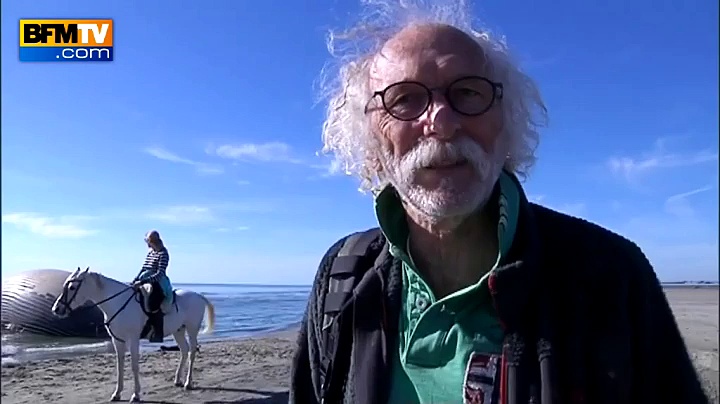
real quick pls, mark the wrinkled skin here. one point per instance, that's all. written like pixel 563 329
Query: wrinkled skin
pixel 418 156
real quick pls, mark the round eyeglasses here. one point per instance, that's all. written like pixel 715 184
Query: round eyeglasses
pixel 469 96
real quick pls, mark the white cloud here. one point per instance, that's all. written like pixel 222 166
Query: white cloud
pixel 679 205
pixel 572 209
pixel 330 169
pixel 61 227
pixel 274 152
pixel 163 154
pixel 182 215
pixel 252 205
pixel 209 170
pixel 242 182
pixel 166 155
pixel 232 229
pixel 264 152
pixel 679 239
pixel 536 198
pixel 179 215
pixel 658 158
pixel 201 214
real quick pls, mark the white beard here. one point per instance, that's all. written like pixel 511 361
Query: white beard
pixel 453 197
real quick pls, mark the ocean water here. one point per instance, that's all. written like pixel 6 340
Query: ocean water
pixel 240 311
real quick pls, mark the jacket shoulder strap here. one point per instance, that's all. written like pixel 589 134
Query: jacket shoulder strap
pixel 354 258
pixel 348 266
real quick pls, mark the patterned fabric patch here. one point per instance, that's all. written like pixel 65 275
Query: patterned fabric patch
pixel 480 374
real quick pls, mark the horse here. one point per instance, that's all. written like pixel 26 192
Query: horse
pixel 125 318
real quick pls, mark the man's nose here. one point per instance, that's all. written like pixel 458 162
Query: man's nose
pixel 442 121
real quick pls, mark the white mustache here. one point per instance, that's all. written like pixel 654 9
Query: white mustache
pixel 432 152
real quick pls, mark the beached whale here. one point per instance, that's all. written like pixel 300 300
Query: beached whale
pixel 27 299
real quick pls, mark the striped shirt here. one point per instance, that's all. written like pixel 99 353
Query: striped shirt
pixel 156 263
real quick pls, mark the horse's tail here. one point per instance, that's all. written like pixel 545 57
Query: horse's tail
pixel 210 316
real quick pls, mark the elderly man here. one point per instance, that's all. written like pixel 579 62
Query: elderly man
pixel 467 292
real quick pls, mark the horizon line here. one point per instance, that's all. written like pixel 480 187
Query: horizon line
pixel 241 284
pixel 310 285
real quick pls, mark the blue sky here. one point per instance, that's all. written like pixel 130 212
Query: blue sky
pixel 210 136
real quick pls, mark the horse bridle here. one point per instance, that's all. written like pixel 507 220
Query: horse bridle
pixel 67 302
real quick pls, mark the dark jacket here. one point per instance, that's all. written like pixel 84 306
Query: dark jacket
pixel 585 316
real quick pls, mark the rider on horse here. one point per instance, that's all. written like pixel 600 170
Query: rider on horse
pixel 154 272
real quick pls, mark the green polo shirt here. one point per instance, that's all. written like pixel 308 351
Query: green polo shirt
pixel 437 336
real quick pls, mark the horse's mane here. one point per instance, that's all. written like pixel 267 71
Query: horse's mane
pixel 106 279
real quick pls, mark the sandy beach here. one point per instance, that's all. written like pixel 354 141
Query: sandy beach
pixel 257 370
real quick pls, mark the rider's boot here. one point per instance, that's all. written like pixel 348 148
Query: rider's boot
pixel 158 334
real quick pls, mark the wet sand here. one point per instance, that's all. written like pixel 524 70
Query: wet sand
pixel 257 370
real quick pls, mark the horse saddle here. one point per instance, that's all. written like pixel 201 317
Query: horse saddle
pixel 146 291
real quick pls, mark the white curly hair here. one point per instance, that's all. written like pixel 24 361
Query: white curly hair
pixel 344 85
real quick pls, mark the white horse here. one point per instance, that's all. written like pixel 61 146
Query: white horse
pixel 125 320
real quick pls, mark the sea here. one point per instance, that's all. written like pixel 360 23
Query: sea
pixel 240 311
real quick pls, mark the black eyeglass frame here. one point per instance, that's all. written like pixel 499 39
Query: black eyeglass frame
pixel 497 95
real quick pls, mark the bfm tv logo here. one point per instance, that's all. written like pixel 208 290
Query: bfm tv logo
pixel 66 40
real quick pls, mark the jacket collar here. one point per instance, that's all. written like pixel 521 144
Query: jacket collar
pixel 514 285
pixel 513 292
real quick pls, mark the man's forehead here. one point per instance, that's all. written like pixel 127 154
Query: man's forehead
pixel 427 52
pixel 438 36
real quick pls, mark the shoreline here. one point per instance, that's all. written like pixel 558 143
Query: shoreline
pixel 245 369
pixel 256 369
pixel 26 351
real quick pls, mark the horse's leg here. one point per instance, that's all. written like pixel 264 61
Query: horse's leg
pixel 192 336
pixel 135 365
pixel 183 345
pixel 120 368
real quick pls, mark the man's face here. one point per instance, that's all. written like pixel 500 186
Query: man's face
pixel 443 163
